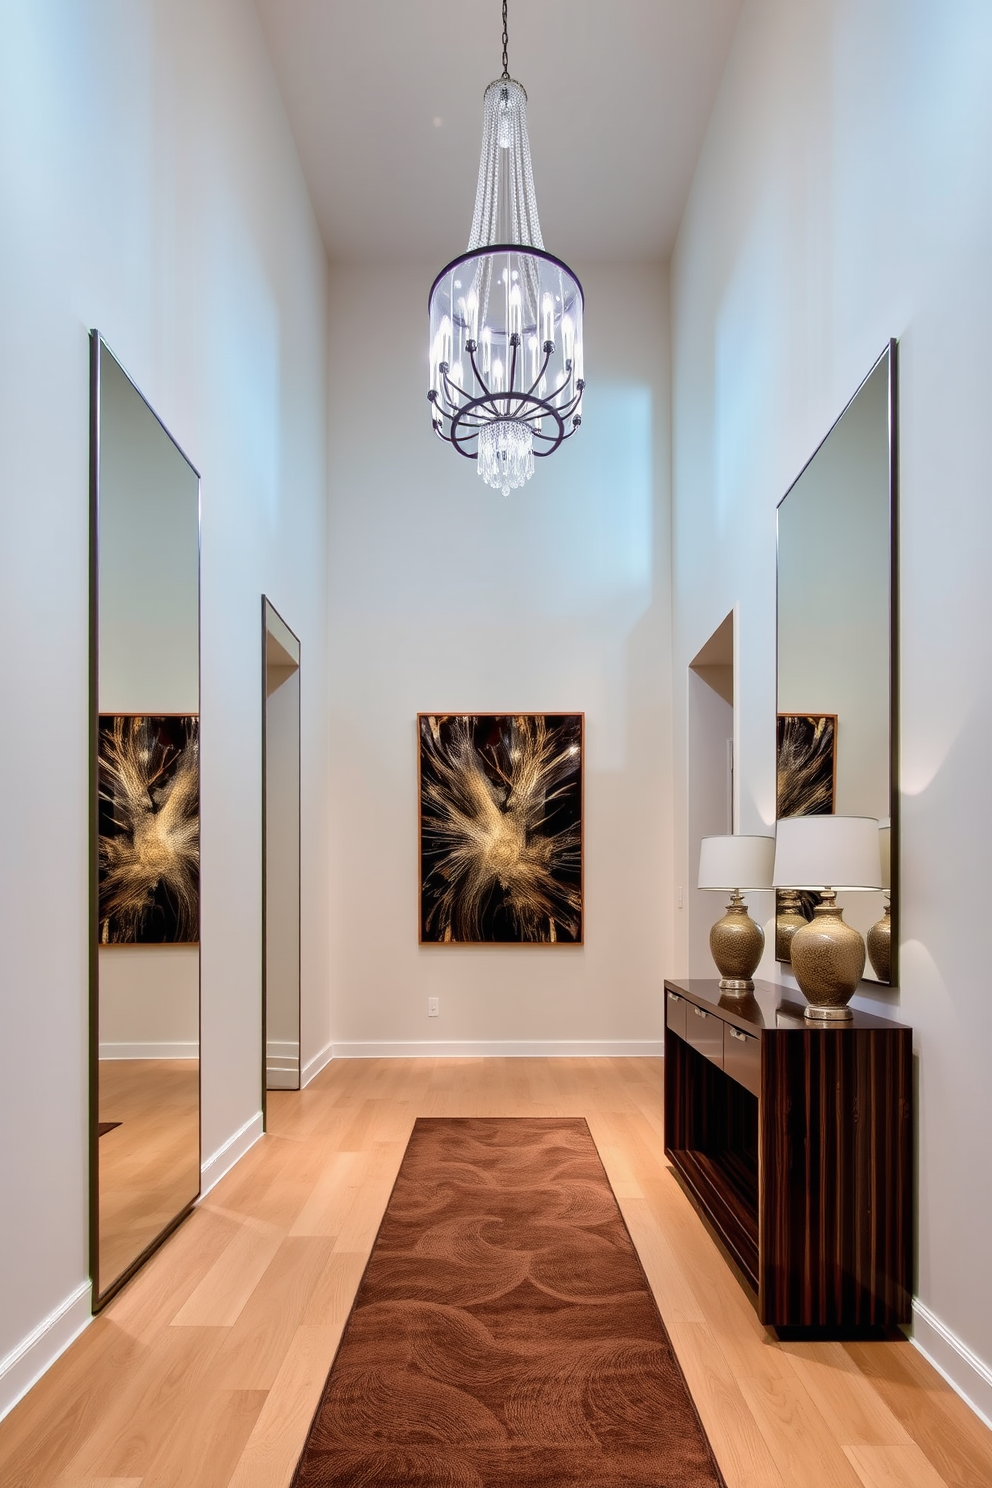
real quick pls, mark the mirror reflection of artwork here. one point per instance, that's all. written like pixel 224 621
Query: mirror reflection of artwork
pixel 501 828
pixel 149 829
pixel 806 760
pixel 806 777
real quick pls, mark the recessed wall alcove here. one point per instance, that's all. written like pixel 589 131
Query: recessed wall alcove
pixel 711 804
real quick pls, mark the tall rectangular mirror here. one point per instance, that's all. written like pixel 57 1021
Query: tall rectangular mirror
pixel 836 651
pixel 145 828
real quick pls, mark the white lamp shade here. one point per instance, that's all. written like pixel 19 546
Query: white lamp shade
pixel 885 848
pixel 736 863
pixel 827 852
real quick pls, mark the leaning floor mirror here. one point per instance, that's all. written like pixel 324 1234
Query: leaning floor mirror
pixel 145 828
pixel 837 705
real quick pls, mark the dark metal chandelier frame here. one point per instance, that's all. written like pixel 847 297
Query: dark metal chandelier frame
pixel 516 405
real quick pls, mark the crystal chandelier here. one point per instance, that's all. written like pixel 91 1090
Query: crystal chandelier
pixel 506 317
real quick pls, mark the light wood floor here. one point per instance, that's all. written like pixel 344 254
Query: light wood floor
pixel 150 1164
pixel 205 1371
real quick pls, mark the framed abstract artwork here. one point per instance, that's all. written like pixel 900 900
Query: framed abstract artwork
pixel 149 829
pixel 805 785
pixel 806 764
pixel 500 828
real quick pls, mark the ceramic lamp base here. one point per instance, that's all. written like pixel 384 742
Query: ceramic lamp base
pixel 788 919
pixel 828 958
pixel 880 946
pixel 736 943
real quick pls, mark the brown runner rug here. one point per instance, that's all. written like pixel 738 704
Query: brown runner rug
pixel 504 1335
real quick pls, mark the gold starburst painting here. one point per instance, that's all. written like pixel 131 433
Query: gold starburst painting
pixel 807 764
pixel 806 784
pixel 501 828
pixel 149 832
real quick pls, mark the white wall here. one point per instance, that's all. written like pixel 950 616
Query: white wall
pixel 447 596
pixel 149 1001
pixel 844 196
pixel 150 188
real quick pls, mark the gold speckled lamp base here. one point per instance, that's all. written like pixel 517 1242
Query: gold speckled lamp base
pixel 736 943
pixel 788 919
pixel 880 946
pixel 828 958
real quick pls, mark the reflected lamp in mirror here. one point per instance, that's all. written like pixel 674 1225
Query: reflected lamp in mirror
pixel 827 853
pixel 732 865
pixel 879 937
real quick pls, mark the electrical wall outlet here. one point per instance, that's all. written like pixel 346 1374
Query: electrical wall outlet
pixel 432 1007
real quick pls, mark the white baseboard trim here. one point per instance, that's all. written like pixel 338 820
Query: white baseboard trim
pixel 213 1168
pixel 316 1064
pixel 963 1370
pixel 26 1363
pixel 282 1064
pixel 505 1049
pixel 279 1050
pixel 281 1079
pixel 188 1049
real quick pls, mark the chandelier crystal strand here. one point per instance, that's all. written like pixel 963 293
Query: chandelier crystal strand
pixel 505 201
pixel 506 455
pixel 506 374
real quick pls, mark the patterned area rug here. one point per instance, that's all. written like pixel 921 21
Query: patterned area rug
pixel 504 1335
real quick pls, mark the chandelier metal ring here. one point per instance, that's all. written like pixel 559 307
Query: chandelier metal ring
pixel 527 248
pixel 529 408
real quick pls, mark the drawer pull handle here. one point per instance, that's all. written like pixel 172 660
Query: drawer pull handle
pixel 736 1033
pixel 699 1012
pixel 674 997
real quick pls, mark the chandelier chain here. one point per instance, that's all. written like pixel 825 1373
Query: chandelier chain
pixel 506 42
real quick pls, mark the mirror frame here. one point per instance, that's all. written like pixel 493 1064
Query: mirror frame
pixel 98 346
pixel 889 355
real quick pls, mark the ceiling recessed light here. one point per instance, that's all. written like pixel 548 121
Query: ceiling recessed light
pixel 438 121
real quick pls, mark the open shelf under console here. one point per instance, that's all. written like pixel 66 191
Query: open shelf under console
pixel 795 1140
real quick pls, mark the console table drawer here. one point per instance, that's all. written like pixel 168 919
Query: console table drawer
pixel 704 1031
pixel 675 1013
pixel 742 1058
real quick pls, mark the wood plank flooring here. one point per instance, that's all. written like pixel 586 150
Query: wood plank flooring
pixel 205 1371
pixel 150 1163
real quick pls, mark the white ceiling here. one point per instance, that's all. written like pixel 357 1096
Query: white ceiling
pixel 385 101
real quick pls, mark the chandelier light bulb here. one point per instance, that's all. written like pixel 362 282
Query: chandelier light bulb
pixel 504 125
pixel 506 376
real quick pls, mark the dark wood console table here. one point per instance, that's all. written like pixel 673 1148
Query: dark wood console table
pixel 795 1140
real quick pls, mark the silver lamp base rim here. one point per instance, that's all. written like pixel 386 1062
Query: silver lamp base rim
pixel 827 1014
pixel 736 986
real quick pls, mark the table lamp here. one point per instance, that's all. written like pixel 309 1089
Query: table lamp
pixel 827 853
pixel 730 865
pixel 879 937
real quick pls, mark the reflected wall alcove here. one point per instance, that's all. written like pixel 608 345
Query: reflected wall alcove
pixel 145 828
pixel 711 808
pixel 280 853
